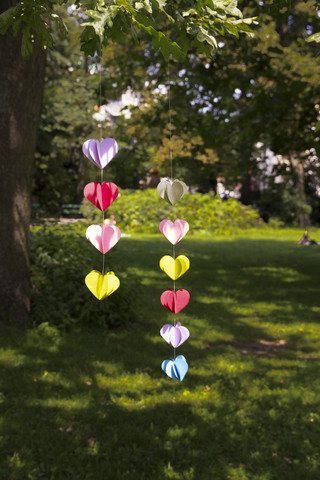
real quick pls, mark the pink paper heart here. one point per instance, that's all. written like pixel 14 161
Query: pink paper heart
pixel 174 335
pixel 175 301
pixel 101 195
pixel 100 153
pixel 103 237
pixel 174 232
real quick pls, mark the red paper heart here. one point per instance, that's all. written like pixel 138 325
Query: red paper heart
pixel 175 301
pixel 101 195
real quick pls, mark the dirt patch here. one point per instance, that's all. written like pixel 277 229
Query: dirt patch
pixel 262 347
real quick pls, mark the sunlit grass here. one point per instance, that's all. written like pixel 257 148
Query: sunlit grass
pixel 94 404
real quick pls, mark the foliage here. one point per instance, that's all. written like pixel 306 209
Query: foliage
pixel 258 91
pixel 263 89
pixel 61 257
pixel 141 211
pixel 66 122
pixel 283 204
pixel 93 405
pixel 192 22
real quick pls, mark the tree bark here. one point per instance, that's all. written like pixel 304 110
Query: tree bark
pixel 303 218
pixel 21 87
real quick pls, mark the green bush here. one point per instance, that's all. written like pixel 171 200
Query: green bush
pixel 61 257
pixel 141 211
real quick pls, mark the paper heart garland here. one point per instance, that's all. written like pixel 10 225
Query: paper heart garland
pixel 101 195
pixel 101 286
pixel 175 335
pixel 174 232
pixel 174 267
pixel 175 301
pixel 100 153
pixel 175 368
pixel 172 191
pixel 103 237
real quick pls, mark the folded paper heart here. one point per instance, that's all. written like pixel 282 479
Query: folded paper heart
pixel 175 368
pixel 172 191
pixel 101 195
pixel 175 335
pixel 103 237
pixel 175 301
pixel 101 286
pixel 100 153
pixel 174 267
pixel 174 232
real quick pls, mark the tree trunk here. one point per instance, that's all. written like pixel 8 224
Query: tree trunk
pixel 21 87
pixel 303 218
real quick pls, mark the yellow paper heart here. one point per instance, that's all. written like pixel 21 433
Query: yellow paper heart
pixel 174 268
pixel 101 286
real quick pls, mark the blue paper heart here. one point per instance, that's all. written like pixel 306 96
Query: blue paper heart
pixel 175 368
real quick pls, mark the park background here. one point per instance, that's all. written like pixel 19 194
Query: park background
pixel 83 395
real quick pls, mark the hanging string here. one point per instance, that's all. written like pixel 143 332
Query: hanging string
pixel 100 97
pixel 100 82
pixel 171 173
pixel 170 123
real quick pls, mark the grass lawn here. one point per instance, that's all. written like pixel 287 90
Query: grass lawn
pixel 95 404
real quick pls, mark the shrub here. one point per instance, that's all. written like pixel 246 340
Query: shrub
pixel 141 211
pixel 60 259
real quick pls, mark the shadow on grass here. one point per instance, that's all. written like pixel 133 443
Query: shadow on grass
pixel 83 406
pixel 228 286
pixel 95 405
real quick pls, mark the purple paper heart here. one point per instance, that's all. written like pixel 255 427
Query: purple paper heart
pixel 100 153
pixel 174 335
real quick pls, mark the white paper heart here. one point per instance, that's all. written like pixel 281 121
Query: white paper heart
pixel 172 191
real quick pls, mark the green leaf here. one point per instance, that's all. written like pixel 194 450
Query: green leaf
pixel 60 23
pixel 26 44
pixel 90 42
pixel 203 35
pixel 189 12
pixel 139 5
pixel 243 27
pixel 229 7
pixel 314 38
pixel 144 4
pixel 202 47
pixel 231 29
pixel 101 18
pixel 160 3
pixel 159 39
pixel 7 19
pixel 145 21
pixel 86 4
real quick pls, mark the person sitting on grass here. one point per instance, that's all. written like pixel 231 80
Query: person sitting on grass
pixel 306 240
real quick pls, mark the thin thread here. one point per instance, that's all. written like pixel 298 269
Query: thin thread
pixel 174 257
pixel 174 289
pixel 103 255
pixel 100 97
pixel 170 123
pixel 171 175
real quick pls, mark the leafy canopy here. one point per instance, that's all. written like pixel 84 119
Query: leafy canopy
pixel 174 26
